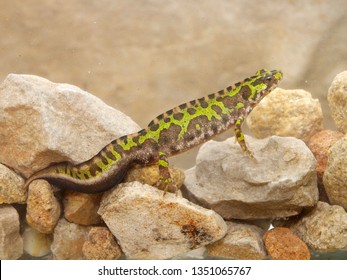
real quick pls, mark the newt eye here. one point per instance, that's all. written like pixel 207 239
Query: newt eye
pixel 268 78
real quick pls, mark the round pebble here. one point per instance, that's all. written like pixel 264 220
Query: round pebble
pixel 282 244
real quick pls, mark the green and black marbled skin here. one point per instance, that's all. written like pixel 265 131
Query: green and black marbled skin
pixel 170 133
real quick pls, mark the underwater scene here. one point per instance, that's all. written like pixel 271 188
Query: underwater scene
pixel 173 130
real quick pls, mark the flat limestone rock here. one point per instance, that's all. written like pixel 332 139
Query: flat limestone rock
pixel 43 122
pixel 335 175
pixel 241 242
pixel 11 243
pixel 68 241
pixel 286 113
pixel 43 208
pixel 149 225
pixel 279 181
pixel 324 228
pixel 337 99
pixel 12 189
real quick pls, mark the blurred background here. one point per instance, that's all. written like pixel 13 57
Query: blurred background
pixel 144 57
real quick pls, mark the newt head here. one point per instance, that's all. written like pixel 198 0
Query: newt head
pixel 262 84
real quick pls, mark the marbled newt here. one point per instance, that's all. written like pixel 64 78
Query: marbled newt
pixel 170 133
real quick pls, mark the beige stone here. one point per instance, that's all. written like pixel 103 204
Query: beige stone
pixel 36 244
pixel 337 98
pixel 43 122
pixel 148 225
pixel 241 242
pixel 280 180
pixel 196 254
pixel 81 208
pixel 101 245
pixel 68 240
pixel 335 175
pixel 324 228
pixel 43 208
pixel 12 188
pixel 11 243
pixel 287 113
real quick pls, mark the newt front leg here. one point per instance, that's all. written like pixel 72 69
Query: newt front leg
pixel 240 137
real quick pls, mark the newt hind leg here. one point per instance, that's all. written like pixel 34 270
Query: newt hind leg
pixel 165 180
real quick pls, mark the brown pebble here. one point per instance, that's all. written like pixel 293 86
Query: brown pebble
pixel 43 208
pixel 82 208
pixel 101 245
pixel 282 244
pixel 320 144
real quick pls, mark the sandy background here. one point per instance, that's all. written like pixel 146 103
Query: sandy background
pixel 145 57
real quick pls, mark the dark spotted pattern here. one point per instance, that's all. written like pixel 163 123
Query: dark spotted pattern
pixel 191 111
pixel 203 103
pixel 245 92
pixel 178 116
pixel 154 127
pixel 217 109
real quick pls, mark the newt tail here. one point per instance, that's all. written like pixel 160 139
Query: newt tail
pixel 101 172
pixel 172 132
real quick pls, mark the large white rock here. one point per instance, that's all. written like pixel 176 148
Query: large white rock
pixel 279 181
pixel 149 225
pixel 43 122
